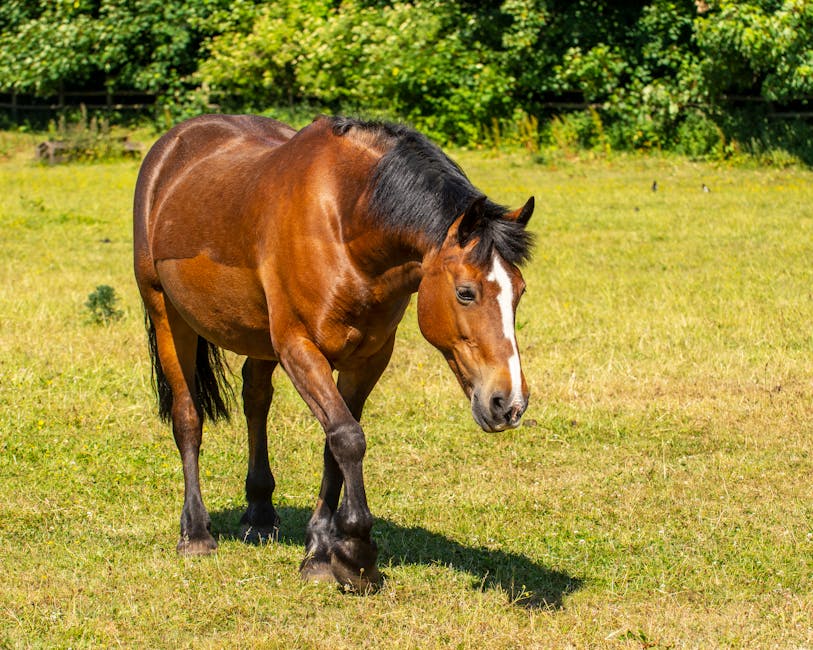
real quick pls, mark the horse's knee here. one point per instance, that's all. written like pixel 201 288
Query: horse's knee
pixel 347 443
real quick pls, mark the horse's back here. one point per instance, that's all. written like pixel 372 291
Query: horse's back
pixel 196 139
pixel 200 168
pixel 209 131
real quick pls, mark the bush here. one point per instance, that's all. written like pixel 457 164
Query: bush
pixel 699 137
pixel 102 304
pixel 461 71
pixel 87 139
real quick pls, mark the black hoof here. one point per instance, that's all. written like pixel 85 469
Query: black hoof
pixel 252 535
pixel 316 570
pixel 259 524
pixel 352 563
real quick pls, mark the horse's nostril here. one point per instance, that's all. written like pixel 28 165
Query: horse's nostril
pixel 497 404
pixel 515 414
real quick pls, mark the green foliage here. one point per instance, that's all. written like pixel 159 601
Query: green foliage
pixel 698 136
pixel 640 78
pixel 102 304
pixel 461 71
pixel 761 45
pixel 46 49
pixel 260 67
pixel 151 45
pixel 414 61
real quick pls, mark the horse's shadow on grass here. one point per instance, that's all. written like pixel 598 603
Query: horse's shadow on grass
pixel 526 583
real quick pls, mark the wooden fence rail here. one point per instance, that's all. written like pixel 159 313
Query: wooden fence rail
pixel 92 99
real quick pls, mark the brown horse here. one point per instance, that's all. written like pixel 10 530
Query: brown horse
pixel 303 249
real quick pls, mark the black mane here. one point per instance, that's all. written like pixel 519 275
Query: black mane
pixel 417 187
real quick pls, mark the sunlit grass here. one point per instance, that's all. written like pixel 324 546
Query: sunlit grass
pixel 659 496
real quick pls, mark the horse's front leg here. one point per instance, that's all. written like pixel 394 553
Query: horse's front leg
pixel 354 386
pixel 351 553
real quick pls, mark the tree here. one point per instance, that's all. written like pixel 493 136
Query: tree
pixel 44 46
pixel 761 47
pixel 147 45
pixel 418 62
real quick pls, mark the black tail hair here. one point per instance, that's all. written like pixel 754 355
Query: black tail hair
pixel 214 393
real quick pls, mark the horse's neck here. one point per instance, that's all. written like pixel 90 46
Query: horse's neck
pixel 399 280
pixel 393 263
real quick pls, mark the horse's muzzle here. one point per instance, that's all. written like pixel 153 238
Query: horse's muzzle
pixel 498 412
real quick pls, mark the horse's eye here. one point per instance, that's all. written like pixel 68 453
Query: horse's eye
pixel 465 295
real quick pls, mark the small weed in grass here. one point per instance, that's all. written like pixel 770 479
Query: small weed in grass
pixel 102 305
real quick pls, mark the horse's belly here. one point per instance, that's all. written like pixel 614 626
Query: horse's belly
pixel 224 304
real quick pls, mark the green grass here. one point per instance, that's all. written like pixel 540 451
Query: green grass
pixel 660 496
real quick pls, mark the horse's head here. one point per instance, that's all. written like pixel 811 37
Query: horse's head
pixel 467 301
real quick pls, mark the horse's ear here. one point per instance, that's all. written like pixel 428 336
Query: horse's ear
pixel 522 215
pixel 469 222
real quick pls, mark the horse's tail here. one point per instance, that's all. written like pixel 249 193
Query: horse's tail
pixel 214 393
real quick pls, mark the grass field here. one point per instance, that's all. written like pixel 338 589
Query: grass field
pixel 659 496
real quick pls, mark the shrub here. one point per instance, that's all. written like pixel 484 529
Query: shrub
pixel 699 137
pixel 87 138
pixel 102 304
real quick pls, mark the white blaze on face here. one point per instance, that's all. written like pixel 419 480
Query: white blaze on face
pixel 505 299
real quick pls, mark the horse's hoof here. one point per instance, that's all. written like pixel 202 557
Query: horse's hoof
pixel 352 563
pixel 259 534
pixel 259 524
pixel 192 547
pixel 313 570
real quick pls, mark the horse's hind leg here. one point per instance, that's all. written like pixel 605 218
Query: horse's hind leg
pixel 260 521
pixel 177 345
